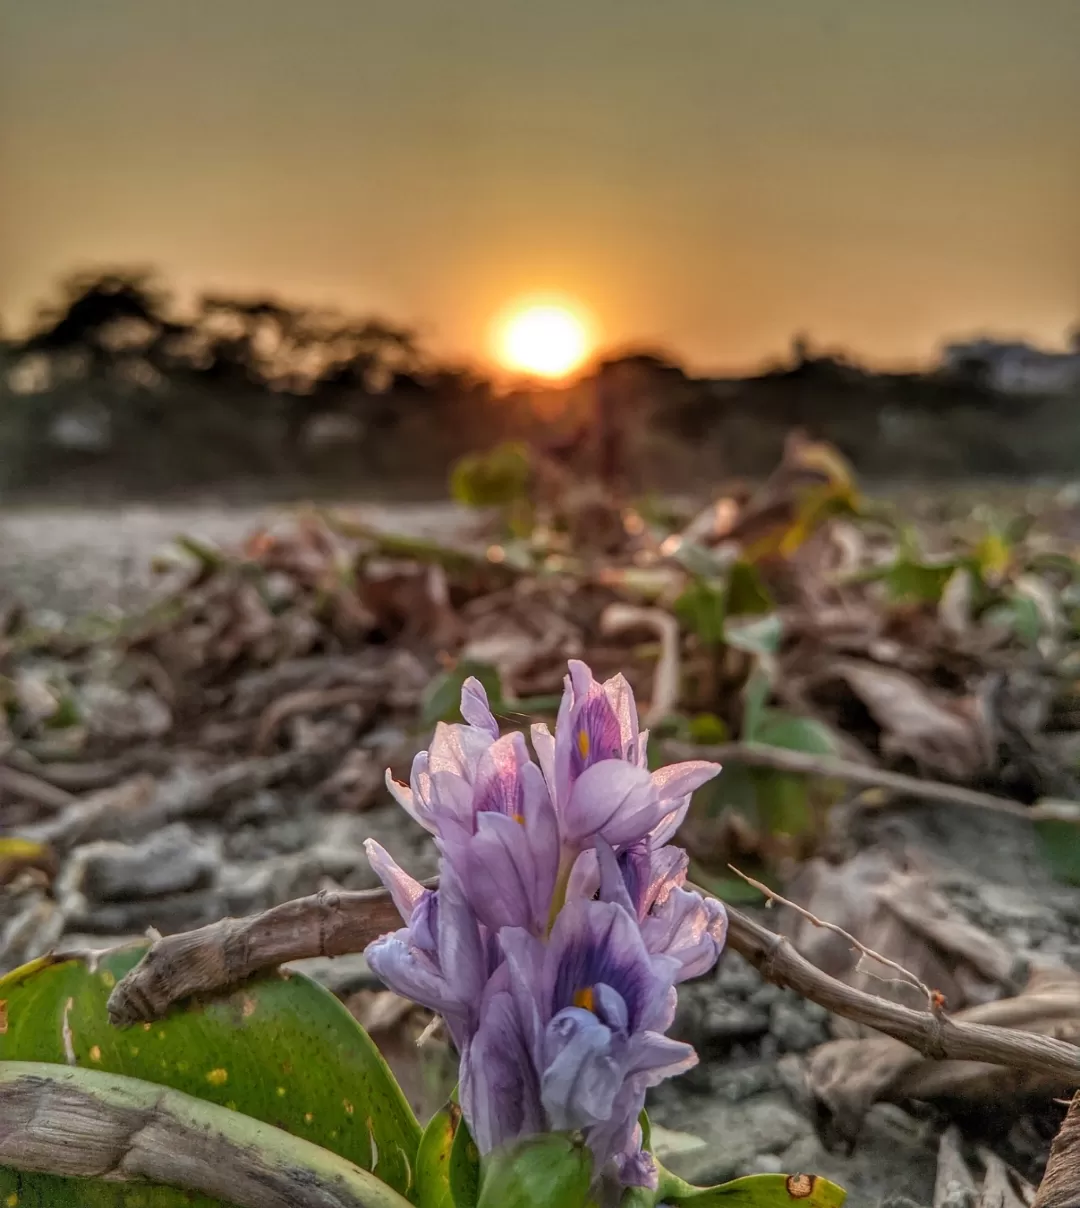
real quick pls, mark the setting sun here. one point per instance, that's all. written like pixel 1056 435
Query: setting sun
pixel 547 340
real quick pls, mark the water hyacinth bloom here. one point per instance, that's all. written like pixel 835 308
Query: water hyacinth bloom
pixel 562 922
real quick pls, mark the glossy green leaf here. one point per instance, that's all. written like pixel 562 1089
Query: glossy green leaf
pixel 279 1049
pixel 225 1151
pixel 754 1191
pixel 442 699
pixel 448 1163
pixel 547 1171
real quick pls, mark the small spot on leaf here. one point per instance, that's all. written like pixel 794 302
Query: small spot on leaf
pixel 349 1109
pixel 147 1026
pixel 95 1053
pixel 12 1200
pixel 134 1050
pixel 108 980
pixel 800 1186
pixel 3 1016
pixel 281 1092
pixel 308 1117
pixel 217 1077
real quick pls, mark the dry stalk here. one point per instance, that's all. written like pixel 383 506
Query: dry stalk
pixel 334 924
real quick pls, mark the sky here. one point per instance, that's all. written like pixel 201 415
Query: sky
pixel 712 176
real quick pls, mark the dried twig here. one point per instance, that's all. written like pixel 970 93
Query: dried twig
pixel 309 700
pixel 81 1123
pixel 33 788
pixel 757 755
pixel 333 924
pixel 1060 1187
pixel 905 974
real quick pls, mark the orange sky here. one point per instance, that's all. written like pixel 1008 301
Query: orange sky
pixel 710 174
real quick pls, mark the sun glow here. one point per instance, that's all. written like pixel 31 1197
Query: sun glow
pixel 548 340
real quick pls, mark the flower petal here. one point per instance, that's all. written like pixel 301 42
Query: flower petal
pixel 621 698
pixel 582 1071
pixel 475 707
pixel 689 929
pixel 405 891
pixel 500 1089
pixel 613 799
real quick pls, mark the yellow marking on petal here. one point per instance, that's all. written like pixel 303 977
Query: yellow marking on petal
pixel 519 818
pixel 585 998
pixel 95 1053
pixel 217 1077
pixel 583 743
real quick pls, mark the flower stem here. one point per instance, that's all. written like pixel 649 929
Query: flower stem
pixel 562 883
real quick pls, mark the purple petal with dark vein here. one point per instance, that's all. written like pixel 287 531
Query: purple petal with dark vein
pixel 500 1090
pixel 599 942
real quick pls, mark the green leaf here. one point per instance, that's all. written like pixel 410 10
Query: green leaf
pixel 448 1163
pixel 701 609
pixel 761 636
pixel 218 1151
pixel 783 802
pixel 279 1049
pixel 442 698
pixel 1059 839
pixel 548 1171
pixel 775 728
pixel 706 729
pixel 755 694
pixel 497 478
pixel 746 593
pixel 754 1191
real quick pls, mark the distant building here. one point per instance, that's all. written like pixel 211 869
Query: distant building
pixel 1014 367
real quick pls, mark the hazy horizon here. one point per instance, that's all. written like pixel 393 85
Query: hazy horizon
pixel 712 176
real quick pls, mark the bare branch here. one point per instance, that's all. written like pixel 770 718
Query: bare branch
pixel 33 788
pixel 758 755
pixel 80 1123
pixel 905 974
pixel 225 953
pixel 338 923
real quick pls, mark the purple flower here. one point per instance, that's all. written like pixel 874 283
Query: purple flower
pixel 508 858
pixel 596 770
pixel 441 782
pixel 592 1006
pixel 562 923
pixel 674 922
pixel 441 959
